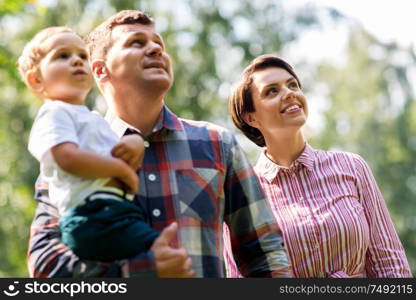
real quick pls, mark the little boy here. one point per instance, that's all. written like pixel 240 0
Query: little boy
pixel 88 168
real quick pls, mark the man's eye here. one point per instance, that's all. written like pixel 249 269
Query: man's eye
pixel 271 91
pixel 136 43
pixel 160 44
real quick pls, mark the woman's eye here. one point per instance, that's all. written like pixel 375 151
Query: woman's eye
pixel 271 91
pixel 293 85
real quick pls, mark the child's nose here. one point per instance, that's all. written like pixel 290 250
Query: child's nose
pixel 77 61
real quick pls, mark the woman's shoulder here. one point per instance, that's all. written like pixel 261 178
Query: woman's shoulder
pixel 338 156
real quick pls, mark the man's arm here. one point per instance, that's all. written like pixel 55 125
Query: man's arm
pixel 257 246
pixel 49 257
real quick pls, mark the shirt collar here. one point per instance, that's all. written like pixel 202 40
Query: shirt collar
pixel 269 169
pixel 307 157
pixel 167 120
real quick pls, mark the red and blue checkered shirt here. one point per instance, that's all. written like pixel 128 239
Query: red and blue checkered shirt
pixel 193 173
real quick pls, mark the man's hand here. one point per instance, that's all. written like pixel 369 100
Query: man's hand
pixel 130 149
pixel 171 262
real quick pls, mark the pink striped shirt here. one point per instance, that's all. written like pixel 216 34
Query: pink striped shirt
pixel 332 216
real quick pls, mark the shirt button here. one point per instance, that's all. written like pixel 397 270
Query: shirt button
pixel 152 177
pixel 317 245
pixel 300 198
pixel 146 144
pixel 156 212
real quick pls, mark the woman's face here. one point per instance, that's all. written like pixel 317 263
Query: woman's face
pixel 278 101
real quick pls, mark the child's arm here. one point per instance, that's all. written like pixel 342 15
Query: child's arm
pixel 90 165
pixel 130 149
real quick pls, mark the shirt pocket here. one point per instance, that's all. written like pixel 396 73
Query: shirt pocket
pixel 199 193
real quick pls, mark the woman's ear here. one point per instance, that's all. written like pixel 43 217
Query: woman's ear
pixel 34 80
pixel 250 119
pixel 99 70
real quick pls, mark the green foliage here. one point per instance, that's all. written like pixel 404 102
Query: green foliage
pixel 373 113
pixel 12 7
pixel 210 42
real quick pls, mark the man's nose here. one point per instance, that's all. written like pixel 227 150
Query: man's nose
pixel 154 49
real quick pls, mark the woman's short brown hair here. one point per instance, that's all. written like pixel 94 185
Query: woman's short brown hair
pixel 240 102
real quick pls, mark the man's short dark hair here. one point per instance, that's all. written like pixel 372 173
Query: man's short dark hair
pixel 99 40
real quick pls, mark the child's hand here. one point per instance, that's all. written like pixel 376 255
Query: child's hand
pixel 129 178
pixel 130 149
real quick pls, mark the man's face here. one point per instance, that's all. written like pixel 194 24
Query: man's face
pixel 138 59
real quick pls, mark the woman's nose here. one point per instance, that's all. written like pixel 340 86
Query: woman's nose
pixel 288 94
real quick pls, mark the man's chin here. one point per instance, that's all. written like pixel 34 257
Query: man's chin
pixel 160 82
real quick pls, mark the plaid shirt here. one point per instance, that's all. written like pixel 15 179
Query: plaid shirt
pixel 193 173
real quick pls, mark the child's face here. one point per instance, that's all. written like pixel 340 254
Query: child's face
pixel 64 71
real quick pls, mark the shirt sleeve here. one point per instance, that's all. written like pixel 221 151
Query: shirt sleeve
pixel 385 257
pixel 256 244
pixel 53 125
pixel 49 257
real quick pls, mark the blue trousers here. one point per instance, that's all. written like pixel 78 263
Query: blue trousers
pixel 106 228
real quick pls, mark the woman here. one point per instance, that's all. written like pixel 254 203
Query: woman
pixel 333 218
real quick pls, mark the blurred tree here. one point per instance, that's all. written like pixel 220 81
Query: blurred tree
pixel 372 112
pixel 210 42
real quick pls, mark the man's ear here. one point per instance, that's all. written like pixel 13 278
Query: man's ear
pixel 34 80
pixel 99 70
pixel 250 119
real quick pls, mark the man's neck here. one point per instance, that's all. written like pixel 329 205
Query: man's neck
pixel 140 110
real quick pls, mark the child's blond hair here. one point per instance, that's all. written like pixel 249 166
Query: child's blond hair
pixel 33 52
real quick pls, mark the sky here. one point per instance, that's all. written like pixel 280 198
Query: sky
pixel 389 20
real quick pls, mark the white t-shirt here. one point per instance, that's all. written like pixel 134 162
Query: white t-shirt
pixel 58 122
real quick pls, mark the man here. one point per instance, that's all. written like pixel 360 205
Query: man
pixel 194 174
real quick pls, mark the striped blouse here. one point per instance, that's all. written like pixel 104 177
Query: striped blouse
pixel 332 216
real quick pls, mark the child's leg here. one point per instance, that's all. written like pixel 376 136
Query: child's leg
pixel 106 228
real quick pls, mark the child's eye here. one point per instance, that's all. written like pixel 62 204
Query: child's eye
pixel 83 56
pixel 63 55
